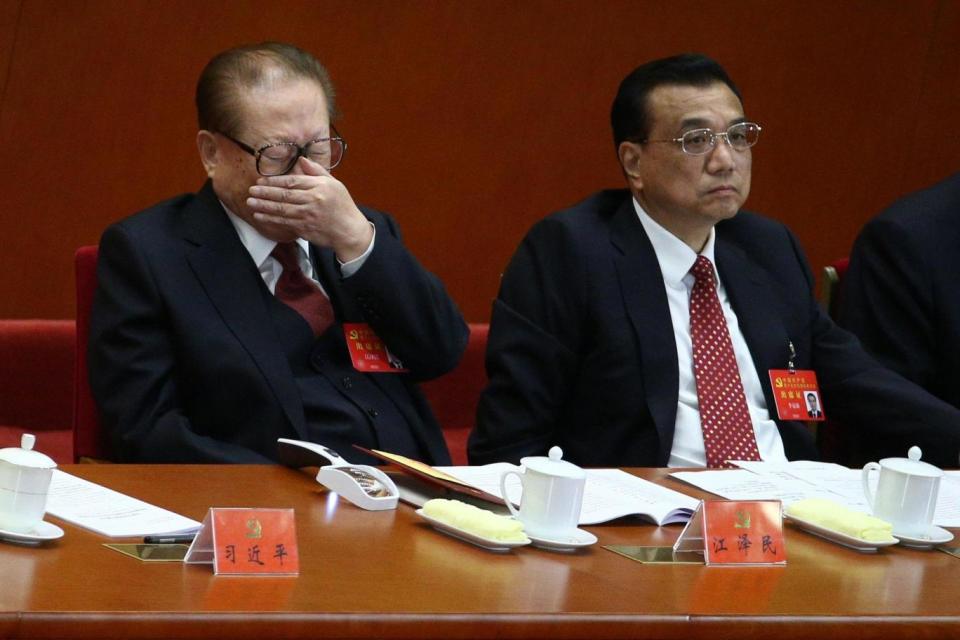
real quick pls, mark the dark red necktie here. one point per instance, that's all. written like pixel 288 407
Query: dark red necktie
pixel 300 292
pixel 724 417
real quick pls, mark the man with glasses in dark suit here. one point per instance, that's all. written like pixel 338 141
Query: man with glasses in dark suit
pixel 268 304
pixel 661 325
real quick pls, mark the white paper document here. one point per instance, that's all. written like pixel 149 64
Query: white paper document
pixel 608 494
pixel 792 481
pixel 109 512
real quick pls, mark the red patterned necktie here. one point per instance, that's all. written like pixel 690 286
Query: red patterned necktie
pixel 300 292
pixel 724 417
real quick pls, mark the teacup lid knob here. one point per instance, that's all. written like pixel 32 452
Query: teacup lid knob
pixel 912 465
pixel 25 456
pixel 553 464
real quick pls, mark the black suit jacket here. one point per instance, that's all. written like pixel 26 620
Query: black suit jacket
pixel 185 363
pixel 901 294
pixel 582 353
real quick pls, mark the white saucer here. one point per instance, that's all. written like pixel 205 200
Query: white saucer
pixel 42 532
pixel 936 535
pixel 570 542
pixel 489 544
pixel 864 546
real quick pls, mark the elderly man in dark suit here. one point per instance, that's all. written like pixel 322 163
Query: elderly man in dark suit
pixel 643 327
pixel 257 307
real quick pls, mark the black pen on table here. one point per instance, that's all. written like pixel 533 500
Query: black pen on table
pixel 180 538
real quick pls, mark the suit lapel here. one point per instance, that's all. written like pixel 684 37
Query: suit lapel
pixel 642 288
pixel 751 296
pixel 233 284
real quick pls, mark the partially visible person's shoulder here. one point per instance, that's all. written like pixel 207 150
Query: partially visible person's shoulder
pixel 924 211
pixel 586 218
pixel 584 227
pixel 752 228
pixel 596 209
pixel 162 229
pixel 373 213
pixel 764 242
pixel 161 214
pixel 380 218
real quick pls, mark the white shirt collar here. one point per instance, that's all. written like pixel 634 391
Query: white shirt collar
pixel 674 255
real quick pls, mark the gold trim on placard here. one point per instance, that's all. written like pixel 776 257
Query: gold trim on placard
pixel 152 552
pixel 656 555
pixel 954 551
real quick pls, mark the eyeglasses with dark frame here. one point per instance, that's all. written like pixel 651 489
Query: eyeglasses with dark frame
pixel 278 159
pixel 740 136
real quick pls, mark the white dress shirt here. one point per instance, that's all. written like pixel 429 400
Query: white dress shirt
pixel 676 259
pixel 270 268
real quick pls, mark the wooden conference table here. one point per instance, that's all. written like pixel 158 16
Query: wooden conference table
pixel 388 575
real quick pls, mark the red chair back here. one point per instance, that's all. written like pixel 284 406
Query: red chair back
pixel 88 441
pixel 36 383
pixel 454 396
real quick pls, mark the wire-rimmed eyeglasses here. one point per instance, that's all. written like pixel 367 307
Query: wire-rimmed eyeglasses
pixel 278 158
pixel 696 142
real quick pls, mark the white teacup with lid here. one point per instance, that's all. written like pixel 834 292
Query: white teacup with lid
pixel 906 493
pixel 552 495
pixel 24 482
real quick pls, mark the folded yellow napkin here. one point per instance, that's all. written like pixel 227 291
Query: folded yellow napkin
pixel 479 522
pixel 830 515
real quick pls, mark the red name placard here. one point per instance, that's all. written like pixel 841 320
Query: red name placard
pixel 247 542
pixel 746 532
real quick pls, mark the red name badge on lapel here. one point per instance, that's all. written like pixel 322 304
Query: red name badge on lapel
pixel 367 350
pixel 247 542
pixel 746 532
pixel 797 394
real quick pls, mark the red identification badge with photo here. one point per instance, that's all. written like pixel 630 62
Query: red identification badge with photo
pixel 797 394
pixel 367 350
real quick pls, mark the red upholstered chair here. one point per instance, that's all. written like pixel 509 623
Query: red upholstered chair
pixel 89 442
pixel 454 396
pixel 36 385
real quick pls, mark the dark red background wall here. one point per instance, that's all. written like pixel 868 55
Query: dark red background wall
pixel 467 120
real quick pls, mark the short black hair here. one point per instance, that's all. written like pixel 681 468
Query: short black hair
pixel 217 97
pixel 628 115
